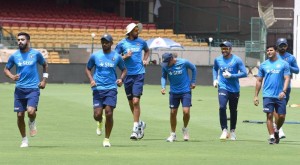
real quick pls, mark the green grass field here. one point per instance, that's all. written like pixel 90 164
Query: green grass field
pixel 66 131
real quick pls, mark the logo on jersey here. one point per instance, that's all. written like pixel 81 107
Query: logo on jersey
pixel 106 64
pixel 278 66
pixel 25 63
pixel 273 71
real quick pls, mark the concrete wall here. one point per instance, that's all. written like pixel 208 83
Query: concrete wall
pixel 75 73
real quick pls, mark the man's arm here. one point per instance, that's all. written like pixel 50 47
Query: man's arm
pixel 294 66
pixel 163 81
pixel 194 73
pixel 88 72
pixel 257 89
pixel 242 70
pixel 146 56
pixel 285 86
pixel 43 83
pixel 10 75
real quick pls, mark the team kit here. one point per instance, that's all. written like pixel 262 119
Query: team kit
pixel 130 57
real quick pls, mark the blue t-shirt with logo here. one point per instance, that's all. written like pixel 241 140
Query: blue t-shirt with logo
pixel 291 60
pixel 233 65
pixel 273 73
pixel 134 64
pixel 178 76
pixel 105 69
pixel 26 67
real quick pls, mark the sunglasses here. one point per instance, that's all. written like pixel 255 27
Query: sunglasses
pixel 225 48
pixel 282 46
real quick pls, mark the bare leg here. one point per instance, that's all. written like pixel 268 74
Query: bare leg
pixel 98 114
pixel 186 116
pixel 173 120
pixel 270 123
pixel 109 121
pixel 21 123
pixel 136 109
pixel 31 111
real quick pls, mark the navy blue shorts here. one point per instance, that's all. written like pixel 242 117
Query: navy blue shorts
pixel 26 97
pixel 185 99
pixel 134 85
pixel 270 104
pixel 102 98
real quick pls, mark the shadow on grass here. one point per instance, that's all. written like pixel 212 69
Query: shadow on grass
pixel 46 146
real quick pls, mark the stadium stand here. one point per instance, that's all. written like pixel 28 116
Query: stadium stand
pixel 55 27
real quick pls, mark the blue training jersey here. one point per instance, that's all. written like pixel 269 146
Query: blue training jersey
pixel 273 73
pixel 291 60
pixel 178 76
pixel 233 65
pixel 26 67
pixel 134 64
pixel 105 69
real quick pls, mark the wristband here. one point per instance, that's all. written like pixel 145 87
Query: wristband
pixel 45 75
pixel 284 92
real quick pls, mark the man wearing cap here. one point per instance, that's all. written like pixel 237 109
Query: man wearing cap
pixel 227 70
pixel 104 83
pixel 131 48
pixel 282 46
pixel 176 69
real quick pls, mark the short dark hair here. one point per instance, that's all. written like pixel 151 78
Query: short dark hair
pixel 272 46
pixel 24 34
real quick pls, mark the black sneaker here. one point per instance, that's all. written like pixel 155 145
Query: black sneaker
pixel 271 141
pixel 277 139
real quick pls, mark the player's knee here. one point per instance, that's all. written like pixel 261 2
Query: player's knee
pixel 222 108
pixel 20 115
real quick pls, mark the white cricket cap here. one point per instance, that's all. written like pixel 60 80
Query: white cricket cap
pixel 131 26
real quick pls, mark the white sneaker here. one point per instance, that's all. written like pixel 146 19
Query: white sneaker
pixel 106 142
pixel 141 128
pixel 134 136
pixel 186 135
pixel 24 143
pixel 224 134
pixel 32 128
pixel 100 125
pixel 99 128
pixel 232 135
pixel 172 137
pixel 281 133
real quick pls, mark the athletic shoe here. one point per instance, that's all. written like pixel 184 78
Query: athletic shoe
pixel 32 128
pixel 276 135
pixel 99 128
pixel 134 136
pixel 232 135
pixel 141 128
pixel 186 135
pixel 172 137
pixel 24 143
pixel 106 142
pixel 224 134
pixel 281 133
pixel 100 125
pixel 271 141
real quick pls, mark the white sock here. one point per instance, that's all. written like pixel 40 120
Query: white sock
pixel 272 136
pixel 135 126
pixel 25 139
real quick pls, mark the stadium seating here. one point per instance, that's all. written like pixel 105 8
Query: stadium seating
pixel 55 27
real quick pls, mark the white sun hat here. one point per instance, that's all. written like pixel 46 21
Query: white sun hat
pixel 131 26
